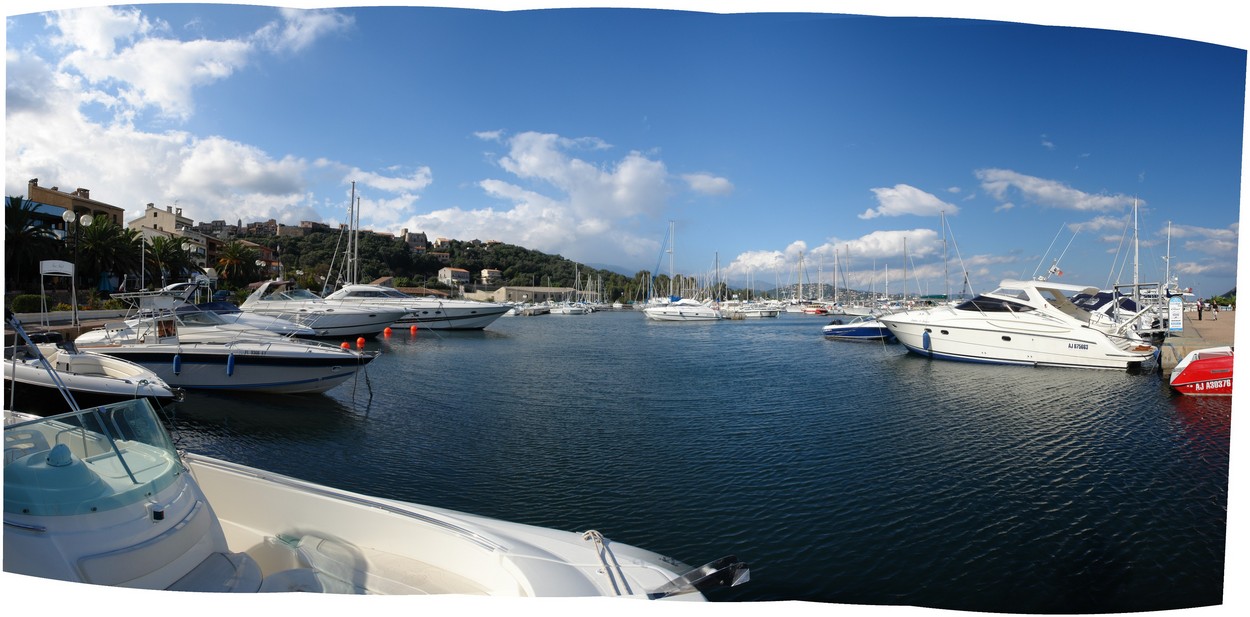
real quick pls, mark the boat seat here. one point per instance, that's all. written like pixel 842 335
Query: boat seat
pixel 19 443
pixel 295 579
pixel 222 572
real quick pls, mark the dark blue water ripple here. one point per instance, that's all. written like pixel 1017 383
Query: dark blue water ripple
pixel 843 472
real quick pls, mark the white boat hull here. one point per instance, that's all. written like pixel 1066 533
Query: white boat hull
pixel 424 312
pixel 942 333
pixel 93 378
pixel 276 368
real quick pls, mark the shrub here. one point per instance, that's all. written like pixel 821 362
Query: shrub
pixel 26 303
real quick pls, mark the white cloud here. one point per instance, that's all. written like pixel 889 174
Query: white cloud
pixel 904 199
pixel 418 180
pixel 120 53
pixel 1001 183
pixel 708 184
pixel 300 28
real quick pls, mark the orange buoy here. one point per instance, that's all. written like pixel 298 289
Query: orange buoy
pixel 346 345
pixel 387 331
pixel 413 329
pixel 360 342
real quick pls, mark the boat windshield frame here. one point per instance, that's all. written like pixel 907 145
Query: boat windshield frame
pixel 86 461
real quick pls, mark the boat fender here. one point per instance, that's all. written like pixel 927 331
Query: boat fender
pixel 925 341
pixel 177 364
pixel 230 365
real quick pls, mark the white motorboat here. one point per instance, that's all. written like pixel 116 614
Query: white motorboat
pixel 683 309
pixel 749 310
pixel 1021 322
pixel 423 312
pixel 91 378
pixel 328 318
pixel 101 496
pixel 570 308
pixel 230 360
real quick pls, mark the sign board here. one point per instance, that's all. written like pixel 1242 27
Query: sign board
pixel 1176 314
pixel 56 268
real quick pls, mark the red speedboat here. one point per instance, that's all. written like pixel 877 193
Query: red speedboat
pixel 1205 372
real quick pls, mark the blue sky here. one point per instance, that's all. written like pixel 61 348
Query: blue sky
pixel 583 132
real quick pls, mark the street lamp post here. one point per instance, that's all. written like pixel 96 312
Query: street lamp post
pixel 85 219
pixel 260 263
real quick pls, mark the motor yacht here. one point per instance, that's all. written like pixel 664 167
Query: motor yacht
pixel 227 360
pixel 683 309
pixel 328 318
pixel 1031 323
pixel 424 312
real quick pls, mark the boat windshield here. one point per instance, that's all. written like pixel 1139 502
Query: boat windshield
pixel 293 294
pixel 195 317
pixel 987 304
pixel 86 461
pixel 377 293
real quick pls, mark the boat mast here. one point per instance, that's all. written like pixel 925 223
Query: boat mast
pixel 672 231
pixel 1167 263
pixel 1136 282
pixel 946 261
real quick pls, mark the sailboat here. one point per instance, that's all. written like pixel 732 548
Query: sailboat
pixel 678 308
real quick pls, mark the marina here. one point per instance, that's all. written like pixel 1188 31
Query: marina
pixel 843 472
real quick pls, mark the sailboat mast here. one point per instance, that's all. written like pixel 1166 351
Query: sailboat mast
pixel 946 262
pixel 1135 253
pixel 672 239
pixel 1167 262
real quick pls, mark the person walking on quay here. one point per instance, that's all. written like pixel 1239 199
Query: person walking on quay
pixel 1199 309
pixel 1215 311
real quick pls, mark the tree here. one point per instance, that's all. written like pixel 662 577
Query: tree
pixel 26 242
pixel 106 247
pixel 166 257
pixel 236 263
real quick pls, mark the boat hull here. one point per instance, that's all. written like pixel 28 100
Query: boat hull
pixel 680 314
pixel 217 367
pixel 437 318
pixel 859 333
pixel 944 335
pixel 91 379
pixel 1205 372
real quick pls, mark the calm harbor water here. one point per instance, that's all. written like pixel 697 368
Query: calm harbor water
pixel 842 472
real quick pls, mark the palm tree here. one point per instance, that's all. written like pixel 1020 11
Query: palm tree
pixel 236 262
pixel 107 247
pixel 26 242
pixel 166 256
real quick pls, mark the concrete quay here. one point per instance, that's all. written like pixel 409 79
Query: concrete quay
pixel 1213 330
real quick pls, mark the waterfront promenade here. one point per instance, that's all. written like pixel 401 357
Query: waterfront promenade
pixel 1197 335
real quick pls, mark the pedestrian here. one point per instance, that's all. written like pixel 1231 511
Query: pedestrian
pixel 1215 311
pixel 1199 309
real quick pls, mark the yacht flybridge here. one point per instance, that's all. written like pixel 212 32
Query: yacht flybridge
pixel 1022 322
pixel 101 496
